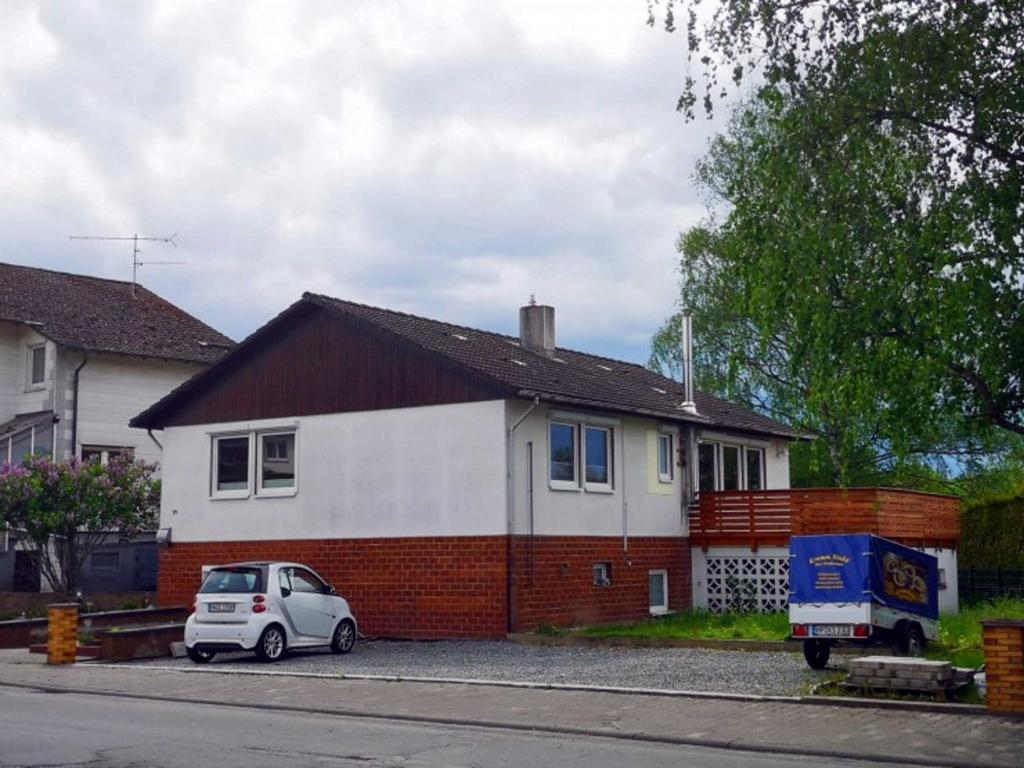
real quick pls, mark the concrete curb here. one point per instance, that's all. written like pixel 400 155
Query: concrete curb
pixel 630 641
pixel 776 749
pixel 851 701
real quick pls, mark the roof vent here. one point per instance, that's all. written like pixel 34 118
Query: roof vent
pixel 537 327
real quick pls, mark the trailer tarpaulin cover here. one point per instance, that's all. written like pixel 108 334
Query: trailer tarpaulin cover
pixel 854 568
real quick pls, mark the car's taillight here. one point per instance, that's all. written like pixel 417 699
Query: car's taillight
pixel 800 630
pixel 862 631
pixel 258 603
pixel 259 608
pixel 259 599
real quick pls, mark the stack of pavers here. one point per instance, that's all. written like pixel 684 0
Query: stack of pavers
pixel 901 674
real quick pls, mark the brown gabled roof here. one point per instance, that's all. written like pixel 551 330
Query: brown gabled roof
pixel 100 315
pixel 568 377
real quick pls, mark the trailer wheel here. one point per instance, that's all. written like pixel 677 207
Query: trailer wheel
pixel 817 652
pixel 911 640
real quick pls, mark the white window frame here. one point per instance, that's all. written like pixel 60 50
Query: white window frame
pixel 565 485
pixel 762 460
pixel 265 493
pixel 609 437
pixel 666 438
pixel 602 574
pixel 741 484
pixel 715 469
pixel 241 493
pixel 658 610
pixel 105 451
pixel 30 384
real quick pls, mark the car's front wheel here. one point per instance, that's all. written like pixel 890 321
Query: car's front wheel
pixel 344 639
pixel 198 656
pixel 272 644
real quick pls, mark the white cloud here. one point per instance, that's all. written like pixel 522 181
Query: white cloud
pixel 445 158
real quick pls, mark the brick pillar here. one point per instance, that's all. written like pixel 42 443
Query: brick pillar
pixel 1004 664
pixel 62 634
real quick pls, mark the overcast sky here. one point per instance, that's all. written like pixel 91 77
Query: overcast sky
pixel 442 158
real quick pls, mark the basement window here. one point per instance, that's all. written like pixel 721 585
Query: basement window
pixel 657 592
pixel 602 574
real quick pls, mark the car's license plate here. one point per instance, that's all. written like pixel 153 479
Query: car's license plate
pixel 220 608
pixel 831 630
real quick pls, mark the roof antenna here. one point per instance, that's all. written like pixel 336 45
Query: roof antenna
pixel 533 300
pixel 136 251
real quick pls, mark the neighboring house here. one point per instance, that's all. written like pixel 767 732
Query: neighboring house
pixel 450 482
pixel 79 356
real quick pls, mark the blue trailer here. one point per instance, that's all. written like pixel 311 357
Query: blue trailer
pixel 860 588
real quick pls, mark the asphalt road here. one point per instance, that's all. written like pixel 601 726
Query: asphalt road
pixel 66 729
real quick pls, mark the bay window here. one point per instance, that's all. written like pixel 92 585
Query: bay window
pixel 729 467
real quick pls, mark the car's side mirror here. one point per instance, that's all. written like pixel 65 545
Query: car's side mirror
pixel 329 590
pixel 285 591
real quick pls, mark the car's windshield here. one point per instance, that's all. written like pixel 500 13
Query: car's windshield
pixel 234 580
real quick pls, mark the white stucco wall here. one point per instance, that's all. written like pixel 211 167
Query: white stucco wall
pixel 112 390
pixel 431 471
pixel 638 505
pixel 16 397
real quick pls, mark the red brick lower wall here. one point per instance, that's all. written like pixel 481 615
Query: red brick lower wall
pixel 554 578
pixel 402 587
pixel 452 587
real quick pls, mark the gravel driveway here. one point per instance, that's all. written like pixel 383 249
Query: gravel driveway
pixel 664 668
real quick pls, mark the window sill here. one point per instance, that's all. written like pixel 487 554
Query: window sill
pixel 598 489
pixel 277 493
pixel 664 480
pixel 558 485
pixel 36 387
pixel 659 611
pixel 230 496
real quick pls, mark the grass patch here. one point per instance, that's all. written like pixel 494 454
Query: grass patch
pixel 702 625
pixel 960 636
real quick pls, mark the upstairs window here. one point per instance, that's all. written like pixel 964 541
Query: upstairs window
pixel 277 463
pixel 707 462
pixel 755 469
pixel 723 467
pixel 36 366
pixel 665 458
pixel 597 452
pixel 562 446
pixel 730 468
pixel 231 466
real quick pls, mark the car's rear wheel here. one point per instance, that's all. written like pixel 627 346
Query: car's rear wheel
pixel 272 644
pixel 816 652
pixel 200 656
pixel 344 639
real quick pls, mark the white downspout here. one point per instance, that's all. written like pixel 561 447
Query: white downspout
pixel 510 501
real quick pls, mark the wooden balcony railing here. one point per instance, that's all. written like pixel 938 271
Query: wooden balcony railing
pixel 769 518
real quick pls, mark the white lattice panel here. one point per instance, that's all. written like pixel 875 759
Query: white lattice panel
pixel 749 583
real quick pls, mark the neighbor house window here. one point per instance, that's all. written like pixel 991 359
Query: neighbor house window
pixel 563 440
pixel 755 468
pixel 597 457
pixel 103 454
pixel 731 468
pixel 657 591
pixel 665 458
pixel 277 462
pixel 105 561
pixel 36 366
pixel 231 466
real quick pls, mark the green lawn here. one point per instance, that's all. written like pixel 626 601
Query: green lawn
pixel 703 625
pixel 959 636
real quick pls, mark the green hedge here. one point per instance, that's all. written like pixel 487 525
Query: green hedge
pixel 992 533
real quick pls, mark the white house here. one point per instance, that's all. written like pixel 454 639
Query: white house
pixel 79 356
pixel 450 482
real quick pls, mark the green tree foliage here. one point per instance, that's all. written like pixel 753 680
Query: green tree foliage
pixel 876 197
pixel 64 510
pixel 992 532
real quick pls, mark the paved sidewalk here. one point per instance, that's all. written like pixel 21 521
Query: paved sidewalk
pixel 916 738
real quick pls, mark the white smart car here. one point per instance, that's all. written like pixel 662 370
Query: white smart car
pixel 270 608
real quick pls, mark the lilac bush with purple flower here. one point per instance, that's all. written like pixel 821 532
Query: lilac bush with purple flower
pixel 63 510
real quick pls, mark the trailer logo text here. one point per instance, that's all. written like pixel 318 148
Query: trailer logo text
pixel 820 561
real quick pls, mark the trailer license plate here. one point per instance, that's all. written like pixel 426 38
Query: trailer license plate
pixel 831 630
pixel 221 608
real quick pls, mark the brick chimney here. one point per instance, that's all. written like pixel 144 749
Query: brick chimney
pixel 537 328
